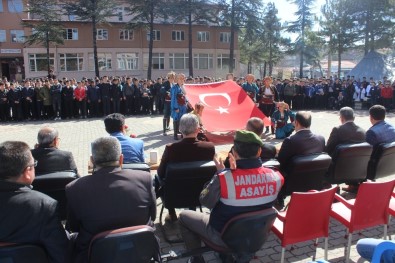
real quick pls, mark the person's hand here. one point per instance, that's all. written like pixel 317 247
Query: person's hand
pixel 177 110
pixel 219 163
pixel 232 161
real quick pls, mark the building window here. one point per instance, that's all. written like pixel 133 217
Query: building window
pixel 104 59
pixel 126 34
pixel 71 61
pixel 203 36
pixel 223 62
pixel 70 34
pixel 158 61
pixel 128 61
pixel 224 37
pixel 178 61
pixel 102 34
pixel 155 35
pixel 15 6
pixel 177 35
pixel 38 62
pixel 203 61
pixel 1 6
pixel 3 37
pixel 17 36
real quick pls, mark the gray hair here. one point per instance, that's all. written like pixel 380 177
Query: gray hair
pixel 347 113
pixel 188 123
pixel 46 136
pixel 106 150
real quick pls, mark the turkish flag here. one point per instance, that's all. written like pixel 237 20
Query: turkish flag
pixel 227 107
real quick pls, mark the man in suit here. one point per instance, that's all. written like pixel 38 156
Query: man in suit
pixel 268 151
pixel 50 158
pixel 381 131
pixel 110 198
pixel 189 149
pixel 301 143
pixel 347 132
pixel 27 216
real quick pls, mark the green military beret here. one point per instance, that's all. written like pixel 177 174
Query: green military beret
pixel 248 137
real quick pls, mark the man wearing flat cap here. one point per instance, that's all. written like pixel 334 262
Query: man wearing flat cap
pixel 246 187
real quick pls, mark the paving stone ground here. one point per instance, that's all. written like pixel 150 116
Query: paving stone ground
pixel 76 136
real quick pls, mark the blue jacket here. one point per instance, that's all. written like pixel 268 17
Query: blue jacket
pixel 132 149
pixel 381 132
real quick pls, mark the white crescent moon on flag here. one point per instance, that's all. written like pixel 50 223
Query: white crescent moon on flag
pixel 203 96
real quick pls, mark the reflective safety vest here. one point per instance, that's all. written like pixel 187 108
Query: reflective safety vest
pixel 249 187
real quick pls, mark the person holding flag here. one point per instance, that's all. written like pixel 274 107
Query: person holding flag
pixel 178 102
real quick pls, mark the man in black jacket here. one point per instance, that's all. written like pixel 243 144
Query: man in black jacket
pixel 347 132
pixel 50 158
pixel 105 87
pixel 27 216
pixel 126 197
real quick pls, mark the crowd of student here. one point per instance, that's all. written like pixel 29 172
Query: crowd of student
pixel 52 98
pixel 332 93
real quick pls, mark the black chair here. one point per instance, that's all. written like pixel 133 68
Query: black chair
pixel 137 244
pixel 245 234
pixel 53 185
pixel 183 183
pixel 307 172
pixel 349 163
pixel 22 253
pixel 382 161
pixel 136 166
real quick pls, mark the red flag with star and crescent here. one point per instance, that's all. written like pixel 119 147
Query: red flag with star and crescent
pixel 227 107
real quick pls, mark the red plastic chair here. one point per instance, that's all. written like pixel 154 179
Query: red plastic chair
pixel 391 208
pixel 368 209
pixel 306 218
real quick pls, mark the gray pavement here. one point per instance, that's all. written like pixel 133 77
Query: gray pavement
pixel 76 136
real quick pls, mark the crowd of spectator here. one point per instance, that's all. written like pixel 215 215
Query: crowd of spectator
pixel 332 93
pixel 52 98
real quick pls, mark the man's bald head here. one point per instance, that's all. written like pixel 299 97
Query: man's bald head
pixel 46 136
pixel 255 125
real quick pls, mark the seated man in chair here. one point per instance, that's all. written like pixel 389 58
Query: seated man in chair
pixel 246 187
pixel 110 198
pixel 27 216
pixel 132 148
pixel 189 149
pixel 49 157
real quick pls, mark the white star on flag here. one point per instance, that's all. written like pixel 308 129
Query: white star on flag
pixel 222 110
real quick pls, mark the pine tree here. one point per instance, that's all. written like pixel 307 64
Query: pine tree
pixel 193 12
pixel 274 42
pixel 45 25
pixel 338 28
pixel 96 12
pixel 375 21
pixel 144 13
pixel 303 22
pixel 236 14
